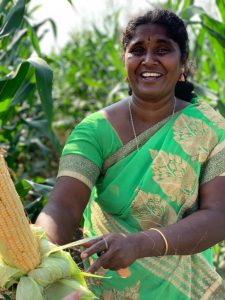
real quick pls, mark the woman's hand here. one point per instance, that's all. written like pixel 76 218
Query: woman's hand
pixel 116 251
pixel 73 296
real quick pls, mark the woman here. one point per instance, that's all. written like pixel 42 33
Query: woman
pixel 149 173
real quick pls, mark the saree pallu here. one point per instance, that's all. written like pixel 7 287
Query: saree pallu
pixel 156 186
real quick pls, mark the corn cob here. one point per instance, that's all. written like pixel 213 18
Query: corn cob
pixel 18 246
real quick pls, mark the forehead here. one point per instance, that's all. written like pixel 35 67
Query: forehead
pixel 151 32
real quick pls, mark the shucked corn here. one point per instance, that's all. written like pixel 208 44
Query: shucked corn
pixel 41 270
pixel 18 246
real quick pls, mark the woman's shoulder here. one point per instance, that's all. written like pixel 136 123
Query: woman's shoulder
pixel 105 113
pixel 209 113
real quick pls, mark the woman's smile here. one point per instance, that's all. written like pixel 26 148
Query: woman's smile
pixel 150 76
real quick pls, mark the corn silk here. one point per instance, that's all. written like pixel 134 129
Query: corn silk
pixel 56 277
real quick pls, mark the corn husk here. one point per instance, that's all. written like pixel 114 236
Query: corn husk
pixel 28 261
pixel 56 277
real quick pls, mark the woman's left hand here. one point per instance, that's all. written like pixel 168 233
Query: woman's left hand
pixel 116 251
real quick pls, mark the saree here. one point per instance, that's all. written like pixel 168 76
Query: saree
pixel 134 190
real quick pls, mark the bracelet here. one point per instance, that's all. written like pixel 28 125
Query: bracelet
pixel 164 238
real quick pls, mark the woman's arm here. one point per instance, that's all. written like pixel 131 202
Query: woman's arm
pixel 63 213
pixel 190 235
pixel 205 227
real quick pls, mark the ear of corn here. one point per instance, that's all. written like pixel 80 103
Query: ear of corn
pixel 18 246
pixel 27 258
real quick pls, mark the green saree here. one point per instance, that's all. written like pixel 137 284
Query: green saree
pixel 156 186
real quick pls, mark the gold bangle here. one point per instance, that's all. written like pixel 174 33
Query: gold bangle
pixel 164 238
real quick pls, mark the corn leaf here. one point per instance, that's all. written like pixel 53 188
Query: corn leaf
pixel 24 90
pixel 221 7
pixel 205 92
pixel 70 1
pixel 13 19
pixel 10 84
pixel 40 188
pixel 3 4
pixel 34 40
pixel 52 23
pixel 221 107
pixel 191 11
pixel 214 28
pixel 44 79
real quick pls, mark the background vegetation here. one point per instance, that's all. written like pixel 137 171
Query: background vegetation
pixel 35 119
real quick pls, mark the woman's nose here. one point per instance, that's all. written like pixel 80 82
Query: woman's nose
pixel 149 58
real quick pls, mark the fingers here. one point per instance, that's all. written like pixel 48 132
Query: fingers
pixel 115 251
pixel 100 262
pixel 99 245
pixel 91 242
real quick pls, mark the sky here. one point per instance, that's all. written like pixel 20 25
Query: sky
pixel 70 19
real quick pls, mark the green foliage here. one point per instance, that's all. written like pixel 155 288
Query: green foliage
pixel 26 105
pixel 89 74
pixel 13 18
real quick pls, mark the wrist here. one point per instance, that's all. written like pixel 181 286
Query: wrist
pixel 143 245
pixel 136 241
pixel 151 243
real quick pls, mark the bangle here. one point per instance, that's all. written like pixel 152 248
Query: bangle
pixel 164 238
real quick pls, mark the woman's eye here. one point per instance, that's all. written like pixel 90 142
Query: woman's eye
pixel 162 51
pixel 137 51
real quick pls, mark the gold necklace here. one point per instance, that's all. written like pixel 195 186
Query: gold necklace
pixel 132 122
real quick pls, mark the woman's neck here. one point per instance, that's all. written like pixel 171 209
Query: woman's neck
pixel 152 111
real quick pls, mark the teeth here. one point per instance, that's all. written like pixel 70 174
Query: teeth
pixel 148 74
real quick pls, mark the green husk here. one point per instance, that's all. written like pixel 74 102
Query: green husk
pixel 64 287
pixel 56 277
pixel 8 275
pixel 28 289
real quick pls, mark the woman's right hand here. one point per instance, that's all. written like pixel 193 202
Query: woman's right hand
pixel 73 296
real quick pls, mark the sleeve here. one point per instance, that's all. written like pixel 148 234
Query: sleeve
pixel 82 156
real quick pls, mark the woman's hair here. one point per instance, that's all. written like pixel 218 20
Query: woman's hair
pixel 176 30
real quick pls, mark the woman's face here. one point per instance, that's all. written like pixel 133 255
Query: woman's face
pixel 152 62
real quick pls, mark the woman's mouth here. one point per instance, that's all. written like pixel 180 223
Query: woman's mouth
pixel 151 76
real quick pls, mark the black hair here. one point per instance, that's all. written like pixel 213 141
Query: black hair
pixel 176 30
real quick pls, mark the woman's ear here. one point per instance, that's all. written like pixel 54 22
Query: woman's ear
pixel 182 76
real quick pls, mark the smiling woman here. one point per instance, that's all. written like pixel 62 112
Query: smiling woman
pixel 153 63
pixel 144 172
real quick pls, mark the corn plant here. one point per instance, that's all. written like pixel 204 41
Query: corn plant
pixel 93 75
pixel 207 41
pixel 26 105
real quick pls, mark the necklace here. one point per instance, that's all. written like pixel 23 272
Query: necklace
pixel 132 122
